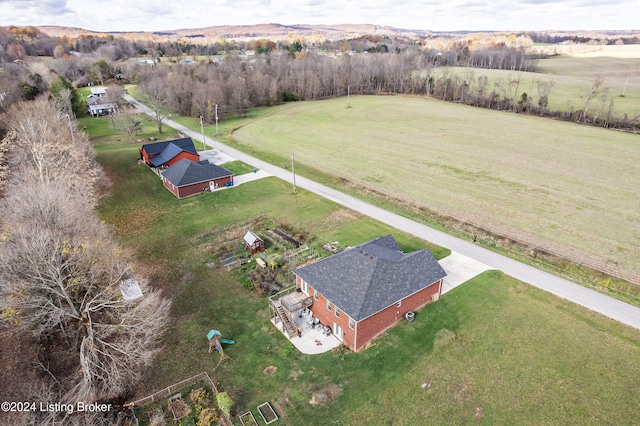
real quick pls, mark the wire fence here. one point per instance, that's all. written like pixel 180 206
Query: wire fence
pixel 169 390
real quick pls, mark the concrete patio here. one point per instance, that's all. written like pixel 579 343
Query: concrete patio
pixel 313 341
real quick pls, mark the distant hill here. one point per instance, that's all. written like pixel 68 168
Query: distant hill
pixel 246 32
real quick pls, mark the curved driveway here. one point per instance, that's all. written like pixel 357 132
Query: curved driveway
pixel 608 306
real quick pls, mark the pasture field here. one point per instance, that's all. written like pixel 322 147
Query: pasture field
pixel 572 78
pixel 572 75
pixel 569 189
pixel 493 348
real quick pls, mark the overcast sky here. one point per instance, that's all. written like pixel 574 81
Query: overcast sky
pixel 437 15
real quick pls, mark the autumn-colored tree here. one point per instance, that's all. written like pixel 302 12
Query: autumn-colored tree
pixel 16 51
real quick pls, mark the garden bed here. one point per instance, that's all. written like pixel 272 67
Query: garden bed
pixel 194 403
pixel 247 419
pixel 266 411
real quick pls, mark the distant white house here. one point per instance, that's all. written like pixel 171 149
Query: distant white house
pixel 99 91
pixel 93 99
pixel 98 110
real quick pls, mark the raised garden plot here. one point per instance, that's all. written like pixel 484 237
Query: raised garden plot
pixel 191 401
pixel 266 411
pixel 178 407
pixel 247 419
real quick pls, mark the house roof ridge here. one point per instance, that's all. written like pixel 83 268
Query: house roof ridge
pixel 371 276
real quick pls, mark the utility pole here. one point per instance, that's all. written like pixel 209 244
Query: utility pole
pixel 216 119
pixel 348 96
pixel 202 130
pixel 293 169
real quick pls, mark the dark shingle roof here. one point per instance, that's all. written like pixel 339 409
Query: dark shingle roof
pixel 186 172
pixel 370 277
pixel 185 144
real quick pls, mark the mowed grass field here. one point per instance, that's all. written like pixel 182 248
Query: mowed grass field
pixel 573 76
pixel 494 346
pixel 570 189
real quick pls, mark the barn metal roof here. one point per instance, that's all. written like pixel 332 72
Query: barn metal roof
pixel 167 154
pixel 156 148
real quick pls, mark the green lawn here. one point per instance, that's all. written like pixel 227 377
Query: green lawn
pixel 493 344
pixel 566 188
pixel 507 353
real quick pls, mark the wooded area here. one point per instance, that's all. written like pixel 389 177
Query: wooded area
pixel 61 271
pixel 288 71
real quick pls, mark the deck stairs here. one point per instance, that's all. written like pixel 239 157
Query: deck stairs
pixel 287 321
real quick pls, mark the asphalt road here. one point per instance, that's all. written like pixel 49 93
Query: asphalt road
pixel 608 306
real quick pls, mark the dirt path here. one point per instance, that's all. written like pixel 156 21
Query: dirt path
pixel 598 302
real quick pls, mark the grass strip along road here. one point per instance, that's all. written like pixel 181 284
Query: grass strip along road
pixel 591 299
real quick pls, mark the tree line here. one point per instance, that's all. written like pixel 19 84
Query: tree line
pixel 235 84
pixel 283 72
pixel 62 272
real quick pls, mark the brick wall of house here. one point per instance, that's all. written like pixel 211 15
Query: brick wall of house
pixel 372 326
pixel 170 187
pixel 328 317
pixel 199 188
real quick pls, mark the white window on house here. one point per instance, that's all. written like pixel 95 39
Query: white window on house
pixel 337 312
pixel 315 294
pixel 352 323
pixel 399 303
pixel 328 305
pixel 304 287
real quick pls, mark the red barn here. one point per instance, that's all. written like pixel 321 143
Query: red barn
pixel 363 291
pixel 164 154
pixel 186 178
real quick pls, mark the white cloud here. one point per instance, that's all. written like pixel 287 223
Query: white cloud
pixel 151 15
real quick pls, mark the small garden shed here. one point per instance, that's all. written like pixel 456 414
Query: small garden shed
pixel 253 243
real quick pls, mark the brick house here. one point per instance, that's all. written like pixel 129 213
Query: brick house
pixel 186 177
pixel 363 291
pixel 164 154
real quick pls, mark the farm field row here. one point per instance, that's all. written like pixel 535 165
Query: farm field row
pixel 493 346
pixel 571 190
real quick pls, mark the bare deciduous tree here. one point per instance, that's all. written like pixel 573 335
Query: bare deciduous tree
pixel 115 96
pixel 156 95
pixel 594 91
pixel 45 145
pixel 544 90
pixel 61 271
pixel 128 123
pixel 60 276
